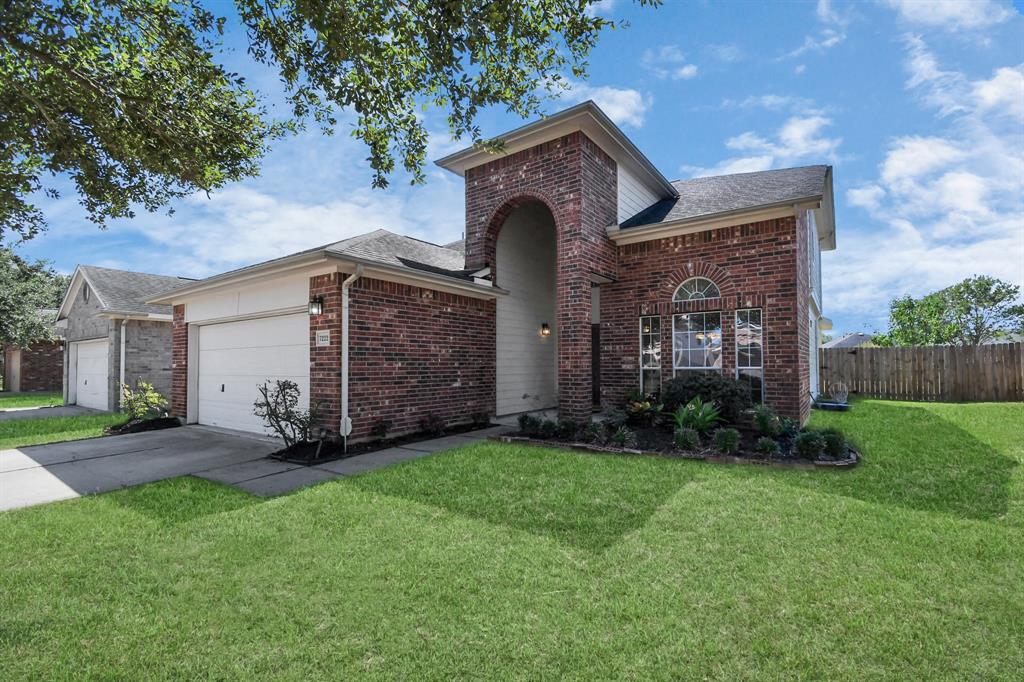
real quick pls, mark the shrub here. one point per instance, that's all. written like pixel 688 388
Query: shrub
pixel 767 446
pixel 686 439
pixel 432 424
pixel 642 412
pixel 615 418
pixel 731 396
pixel 727 441
pixel 623 437
pixel 480 419
pixel 278 407
pixel 381 427
pixel 766 421
pixel 697 415
pixel 788 428
pixel 592 432
pixel 548 428
pixel 809 444
pixel 529 425
pixel 567 430
pixel 144 402
pixel 834 444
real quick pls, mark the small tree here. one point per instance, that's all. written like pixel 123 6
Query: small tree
pixel 278 407
pixel 144 402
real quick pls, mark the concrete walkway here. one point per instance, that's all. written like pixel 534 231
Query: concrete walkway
pixel 47 473
pixel 12 413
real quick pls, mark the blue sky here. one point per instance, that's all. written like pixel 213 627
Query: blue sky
pixel 918 105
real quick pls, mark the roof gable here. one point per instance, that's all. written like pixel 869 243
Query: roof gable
pixel 120 291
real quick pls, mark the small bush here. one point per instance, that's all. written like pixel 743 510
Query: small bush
pixel 623 437
pixel 432 424
pixel 592 432
pixel 529 425
pixel 548 428
pixel 686 439
pixel 642 412
pixel 835 444
pixel 731 396
pixel 727 441
pixel 809 444
pixel 766 421
pixel 615 418
pixel 697 415
pixel 788 428
pixel 381 427
pixel 480 419
pixel 567 430
pixel 767 446
pixel 144 402
pixel 278 407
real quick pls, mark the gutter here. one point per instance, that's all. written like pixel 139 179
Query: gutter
pixel 345 428
pixel 124 328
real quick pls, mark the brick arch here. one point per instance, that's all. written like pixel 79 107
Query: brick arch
pixel 720 276
pixel 505 207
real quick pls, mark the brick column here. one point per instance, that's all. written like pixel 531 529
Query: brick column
pixel 179 363
pixel 325 361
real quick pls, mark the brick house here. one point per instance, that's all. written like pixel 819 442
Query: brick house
pixel 113 336
pixel 33 368
pixel 584 273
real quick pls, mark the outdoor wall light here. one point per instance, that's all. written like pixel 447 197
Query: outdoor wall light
pixel 545 330
pixel 316 305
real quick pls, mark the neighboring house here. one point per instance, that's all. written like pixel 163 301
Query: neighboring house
pixel 852 340
pixel 583 274
pixel 113 335
pixel 36 367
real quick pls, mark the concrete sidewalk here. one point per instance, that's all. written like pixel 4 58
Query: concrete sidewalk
pixel 12 413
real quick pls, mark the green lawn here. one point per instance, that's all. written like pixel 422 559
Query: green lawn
pixel 30 400
pixel 18 432
pixel 497 562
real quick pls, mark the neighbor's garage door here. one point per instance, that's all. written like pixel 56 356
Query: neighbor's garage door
pixel 236 357
pixel 91 374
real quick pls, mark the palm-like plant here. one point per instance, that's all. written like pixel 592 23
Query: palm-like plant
pixel 697 415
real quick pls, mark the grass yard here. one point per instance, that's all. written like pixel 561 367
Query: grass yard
pixel 497 562
pixel 30 400
pixel 20 432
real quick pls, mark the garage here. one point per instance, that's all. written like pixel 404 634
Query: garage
pixel 235 358
pixel 91 371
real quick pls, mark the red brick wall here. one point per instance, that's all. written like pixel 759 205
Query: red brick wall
pixel 755 266
pixel 42 366
pixel 415 351
pixel 179 363
pixel 325 361
pixel 578 183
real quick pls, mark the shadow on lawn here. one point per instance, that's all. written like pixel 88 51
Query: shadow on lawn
pixel 181 500
pixel 915 459
pixel 582 500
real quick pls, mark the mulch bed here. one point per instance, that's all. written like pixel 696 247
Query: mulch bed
pixel 657 442
pixel 140 425
pixel 331 450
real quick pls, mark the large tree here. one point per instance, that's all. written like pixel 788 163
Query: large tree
pixel 27 290
pixel 977 310
pixel 128 97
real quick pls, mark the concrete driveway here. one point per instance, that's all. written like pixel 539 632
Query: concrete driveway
pixel 47 473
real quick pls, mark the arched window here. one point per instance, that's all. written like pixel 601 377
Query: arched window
pixel 696 288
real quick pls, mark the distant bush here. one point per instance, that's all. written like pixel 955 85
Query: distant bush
pixel 766 421
pixel 731 396
pixel 548 428
pixel 623 437
pixel 767 446
pixel 432 424
pixel 834 444
pixel 727 441
pixel 380 428
pixel 686 439
pixel 592 432
pixel 566 429
pixel 809 444
pixel 529 425
pixel 480 419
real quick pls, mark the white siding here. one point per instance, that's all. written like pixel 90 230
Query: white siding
pixel 526 361
pixel 265 296
pixel 634 196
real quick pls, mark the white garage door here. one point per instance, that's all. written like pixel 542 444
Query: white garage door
pixel 237 357
pixel 91 374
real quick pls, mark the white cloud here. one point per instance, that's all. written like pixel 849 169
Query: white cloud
pixel 952 14
pixel 800 139
pixel 668 61
pixel 725 52
pixel 625 106
pixel 799 69
pixel 832 31
pixel 1004 92
pixel 769 101
pixel 868 197
pixel 601 8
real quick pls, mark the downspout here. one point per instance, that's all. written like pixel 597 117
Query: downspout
pixel 120 387
pixel 345 428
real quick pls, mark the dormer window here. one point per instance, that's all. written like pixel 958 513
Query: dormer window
pixel 696 288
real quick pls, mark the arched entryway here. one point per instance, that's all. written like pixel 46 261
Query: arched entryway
pixel 526 323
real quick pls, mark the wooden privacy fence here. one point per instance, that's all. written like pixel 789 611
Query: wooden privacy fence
pixel 944 373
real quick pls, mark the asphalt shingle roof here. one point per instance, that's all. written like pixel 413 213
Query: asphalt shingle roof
pixel 851 340
pixel 724 193
pixel 127 292
pixel 389 248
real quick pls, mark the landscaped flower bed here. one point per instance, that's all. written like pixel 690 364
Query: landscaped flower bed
pixel 686 424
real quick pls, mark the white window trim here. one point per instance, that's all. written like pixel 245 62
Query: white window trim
pixel 640 330
pixel 736 343
pixel 676 370
pixel 675 294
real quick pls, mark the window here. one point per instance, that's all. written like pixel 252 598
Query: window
pixel 697 341
pixel 750 351
pixel 694 289
pixel 650 355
